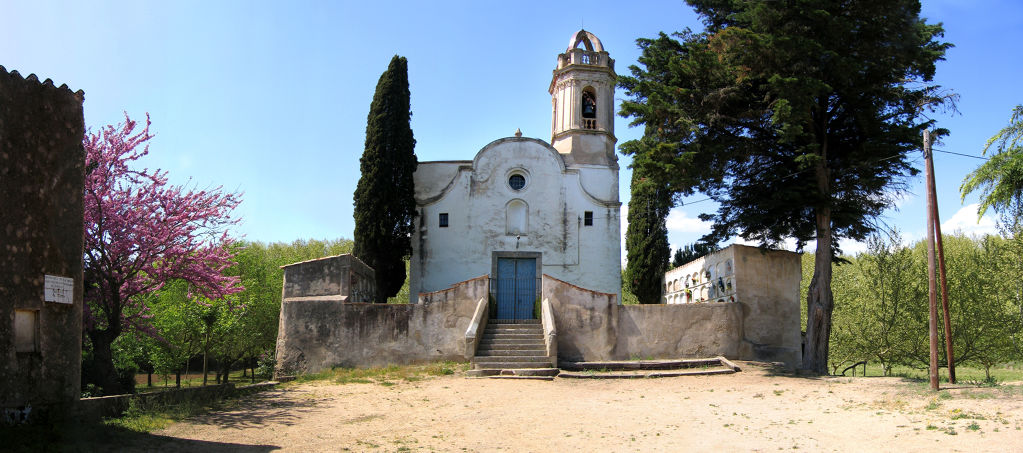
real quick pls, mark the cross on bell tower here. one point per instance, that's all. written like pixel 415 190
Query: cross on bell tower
pixel 582 99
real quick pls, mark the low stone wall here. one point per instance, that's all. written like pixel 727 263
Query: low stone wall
pixel 115 405
pixel 593 327
pixel 587 321
pixel 674 331
pixel 319 334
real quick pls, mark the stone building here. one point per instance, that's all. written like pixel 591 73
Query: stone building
pixel 523 207
pixel 42 173
pixel 764 283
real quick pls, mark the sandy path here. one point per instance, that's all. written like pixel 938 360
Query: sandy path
pixel 749 411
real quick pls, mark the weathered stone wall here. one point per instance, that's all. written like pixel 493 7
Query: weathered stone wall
pixel 586 320
pixel 41 186
pixel 332 277
pixel 675 331
pixel 593 327
pixel 767 285
pixel 317 334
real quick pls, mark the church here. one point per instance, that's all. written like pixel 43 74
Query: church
pixel 516 265
pixel 523 207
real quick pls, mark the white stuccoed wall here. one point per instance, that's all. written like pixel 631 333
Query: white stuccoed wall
pixel 475 195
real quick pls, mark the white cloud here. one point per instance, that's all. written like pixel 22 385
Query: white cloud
pixel 965 221
pixel 680 222
pixel 851 248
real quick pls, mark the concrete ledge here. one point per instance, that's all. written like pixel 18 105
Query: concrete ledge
pixel 637 375
pixel 115 405
pixel 625 365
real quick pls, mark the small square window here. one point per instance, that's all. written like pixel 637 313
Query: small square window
pixel 588 218
pixel 26 330
pixel 443 220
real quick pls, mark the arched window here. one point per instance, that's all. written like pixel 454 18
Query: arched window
pixel 517 217
pixel 589 106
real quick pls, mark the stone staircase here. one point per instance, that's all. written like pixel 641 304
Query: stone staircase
pixel 512 349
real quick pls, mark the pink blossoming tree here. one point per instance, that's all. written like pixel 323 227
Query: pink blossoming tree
pixel 141 233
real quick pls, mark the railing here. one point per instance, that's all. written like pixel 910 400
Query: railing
pixel 550 331
pixel 589 123
pixel 580 56
pixel 477 326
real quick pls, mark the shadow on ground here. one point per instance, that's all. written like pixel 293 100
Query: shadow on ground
pixel 258 410
pixel 77 436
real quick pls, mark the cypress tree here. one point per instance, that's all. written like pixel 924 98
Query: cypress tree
pixel 384 199
pixel 646 238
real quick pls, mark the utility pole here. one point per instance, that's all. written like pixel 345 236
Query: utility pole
pixel 934 220
pixel 949 355
pixel 931 285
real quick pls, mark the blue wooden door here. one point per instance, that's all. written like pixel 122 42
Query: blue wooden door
pixel 516 288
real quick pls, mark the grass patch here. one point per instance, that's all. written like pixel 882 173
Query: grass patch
pixel 386 376
pixel 166 382
pixel 143 419
pixel 964 374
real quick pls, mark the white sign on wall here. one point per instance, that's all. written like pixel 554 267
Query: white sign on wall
pixel 59 289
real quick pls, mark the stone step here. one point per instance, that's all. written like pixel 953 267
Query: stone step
pixel 514 372
pixel 501 365
pixel 501 344
pixel 513 329
pixel 504 352
pixel 512 336
pixel 510 321
pixel 511 358
pixel 512 346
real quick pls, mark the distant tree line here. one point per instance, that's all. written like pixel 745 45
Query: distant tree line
pixel 881 314
pixel 185 330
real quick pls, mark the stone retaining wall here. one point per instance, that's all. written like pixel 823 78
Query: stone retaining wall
pixel 593 327
pixel 116 405
pixel 319 334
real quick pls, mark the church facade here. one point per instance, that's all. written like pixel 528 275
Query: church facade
pixel 523 207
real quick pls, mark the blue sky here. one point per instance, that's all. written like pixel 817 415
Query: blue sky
pixel 270 98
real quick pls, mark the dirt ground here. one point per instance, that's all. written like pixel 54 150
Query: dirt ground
pixel 754 410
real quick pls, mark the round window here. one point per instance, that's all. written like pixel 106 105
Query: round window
pixel 516 181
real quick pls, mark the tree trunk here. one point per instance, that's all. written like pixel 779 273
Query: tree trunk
pixel 819 299
pixel 205 348
pixel 177 379
pixel 226 370
pixel 103 372
pixel 149 377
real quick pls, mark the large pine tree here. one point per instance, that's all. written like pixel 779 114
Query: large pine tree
pixel 646 238
pixel 384 199
pixel 797 117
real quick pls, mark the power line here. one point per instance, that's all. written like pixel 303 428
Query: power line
pixel 960 154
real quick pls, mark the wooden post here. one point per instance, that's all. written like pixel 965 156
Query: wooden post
pixel 931 284
pixel 949 353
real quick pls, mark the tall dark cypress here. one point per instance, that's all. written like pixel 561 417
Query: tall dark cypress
pixel 384 199
pixel 646 238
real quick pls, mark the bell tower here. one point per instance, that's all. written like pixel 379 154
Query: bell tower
pixel 582 99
